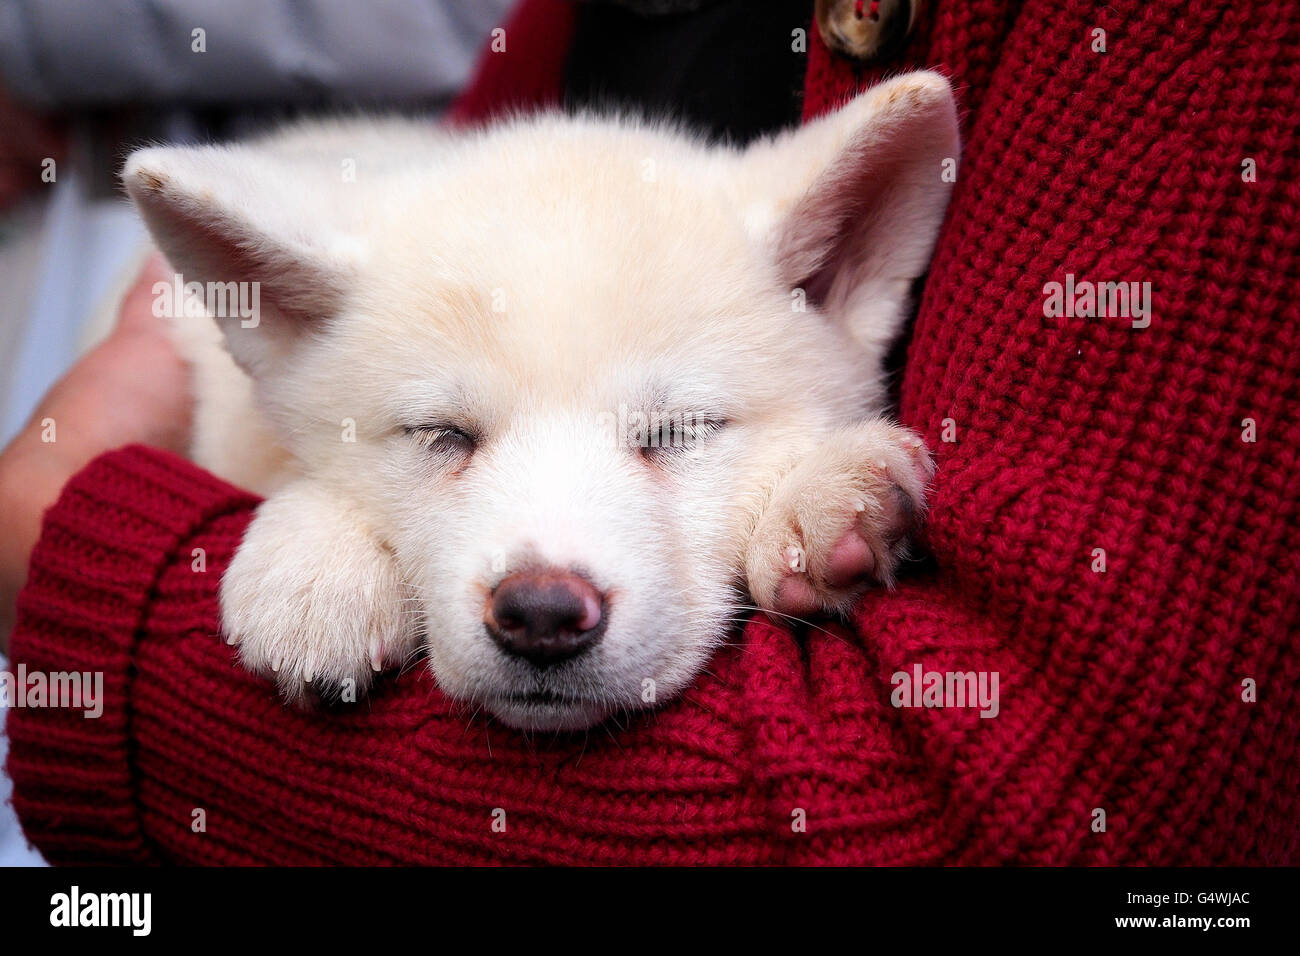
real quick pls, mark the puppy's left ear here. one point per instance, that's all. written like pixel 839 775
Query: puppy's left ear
pixel 849 205
pixel 231 214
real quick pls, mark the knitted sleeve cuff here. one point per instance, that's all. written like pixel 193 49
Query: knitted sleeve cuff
pixel 102 546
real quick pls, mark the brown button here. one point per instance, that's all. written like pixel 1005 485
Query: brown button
pixel 865 29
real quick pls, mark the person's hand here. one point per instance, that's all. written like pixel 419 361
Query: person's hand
pixel 132 387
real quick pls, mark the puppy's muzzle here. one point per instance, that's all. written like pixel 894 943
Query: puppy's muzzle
pixel 546 616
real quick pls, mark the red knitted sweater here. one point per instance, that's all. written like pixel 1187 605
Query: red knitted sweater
pixel 1120 689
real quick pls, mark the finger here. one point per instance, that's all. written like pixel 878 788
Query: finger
pixel 137 309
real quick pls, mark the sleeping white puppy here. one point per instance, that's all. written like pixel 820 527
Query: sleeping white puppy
pixel 544 400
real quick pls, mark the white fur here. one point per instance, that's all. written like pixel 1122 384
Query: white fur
pixel 636 268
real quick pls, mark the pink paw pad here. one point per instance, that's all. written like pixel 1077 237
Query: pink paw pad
pixel 850 562
pixel 796 596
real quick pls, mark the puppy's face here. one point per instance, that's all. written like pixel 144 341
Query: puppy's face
pixel 557 367
pixel 565 428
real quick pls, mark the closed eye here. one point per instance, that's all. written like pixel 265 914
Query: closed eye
pixel 450 442
pixel 670 435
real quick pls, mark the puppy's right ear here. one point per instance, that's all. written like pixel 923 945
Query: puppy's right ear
pixel 849 206
pixel 224 214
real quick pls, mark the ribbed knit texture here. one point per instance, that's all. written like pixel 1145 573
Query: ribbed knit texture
pixel 1119 690
pixel 91 594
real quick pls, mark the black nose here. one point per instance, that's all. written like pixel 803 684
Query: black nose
pixel 545 616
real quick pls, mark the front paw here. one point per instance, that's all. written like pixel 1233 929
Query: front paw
pixel 313 601
pixel 841 519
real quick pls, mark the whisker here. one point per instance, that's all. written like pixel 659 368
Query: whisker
pixel 791 617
